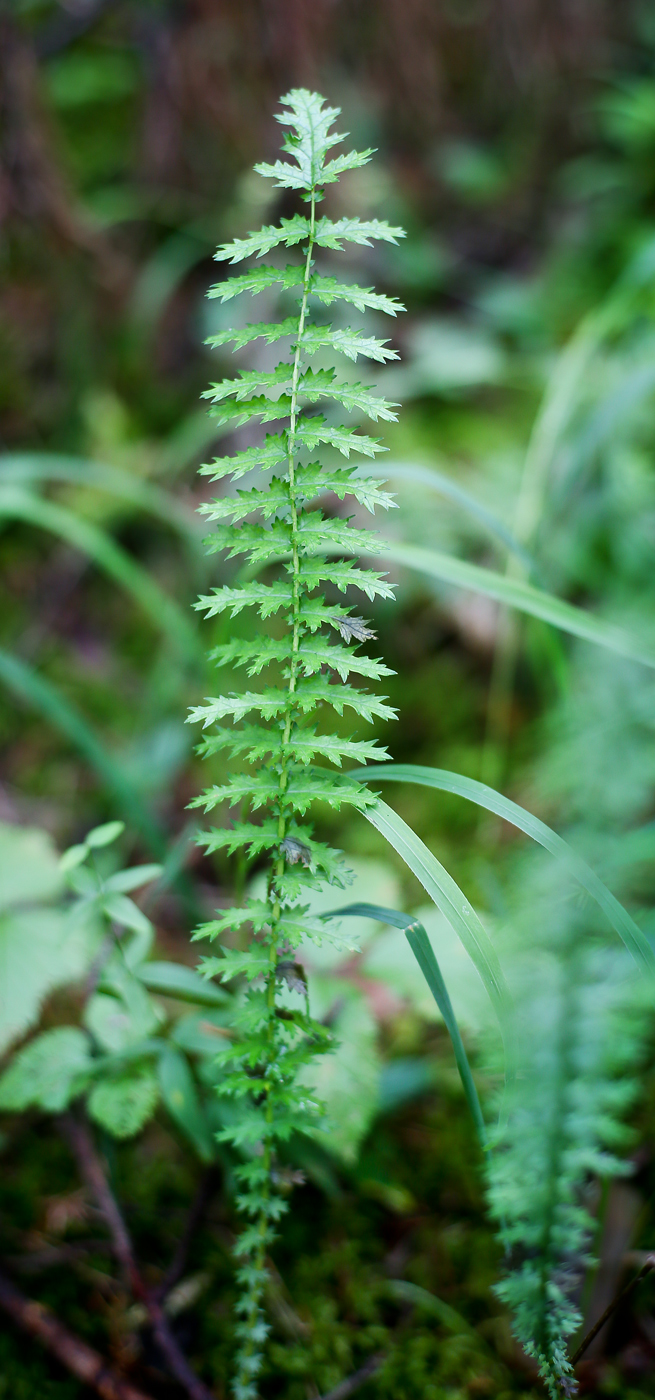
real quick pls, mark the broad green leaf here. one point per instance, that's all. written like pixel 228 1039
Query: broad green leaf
pixel 40 948
pixel 48 1072
pixel 133 879
pixel 180 1097
pixel 449 899
pixel 123 911
pixel 123 1103
pixel 29 866
pixel 164 613
pixel 109 1021
pixel 523 596
pixel 424 953
pixel 73 857
pixel 175 980
pixel 105 835
pixel 41 695
pixel 635 940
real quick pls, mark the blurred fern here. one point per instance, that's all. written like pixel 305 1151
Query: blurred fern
pixel 579 1030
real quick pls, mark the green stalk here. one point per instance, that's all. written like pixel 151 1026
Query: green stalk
pixel 277 869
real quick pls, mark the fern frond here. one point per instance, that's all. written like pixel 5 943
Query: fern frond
pixel 554 1133
pixel 273 734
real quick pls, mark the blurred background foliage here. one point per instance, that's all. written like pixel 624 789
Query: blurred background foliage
pixel 516 143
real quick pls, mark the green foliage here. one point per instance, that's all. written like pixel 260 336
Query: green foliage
pixel 580 1030
pixel 277 1038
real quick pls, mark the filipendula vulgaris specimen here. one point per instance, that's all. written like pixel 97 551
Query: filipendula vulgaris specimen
pixel 272 732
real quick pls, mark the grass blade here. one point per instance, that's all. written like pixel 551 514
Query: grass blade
pixel 516 594
pixel 445 486
pixel 162 610
pixel 28 686
pixel 634 939
pixel 448 897
pixel 20 468
pixel 425 956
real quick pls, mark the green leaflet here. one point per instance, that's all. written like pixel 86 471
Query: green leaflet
pixel 315 654
pixel 328 289
pixel 312 431
pixel 635 941
pixel 259 279
pixel 273 450
pixel 328 234
pixel 270 331
pixel 425 956
pixel 346 342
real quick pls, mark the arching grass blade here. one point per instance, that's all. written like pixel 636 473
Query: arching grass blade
pixel 448 897
pixel 635 940
pixel 162 610
pixel 516 594
pixel 425 956
pixel 445 486
pixel 27 685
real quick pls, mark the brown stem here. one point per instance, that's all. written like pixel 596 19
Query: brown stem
pixel 352 1383
pixel 83 1147
pixel 84 1363
pixel 208 1183
pixel 604 1317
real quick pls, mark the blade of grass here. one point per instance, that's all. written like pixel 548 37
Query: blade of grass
pixel 516 594
pixel 162 610
pixel 445 486
pixel 33 689
pixel 425 956
pixel 19 468
pixel 635 940
pixel 448 897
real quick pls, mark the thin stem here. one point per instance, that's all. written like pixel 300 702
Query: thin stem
pixel 87 1365
pixel 82 1145
pixel 259 1258
pixel 611 1308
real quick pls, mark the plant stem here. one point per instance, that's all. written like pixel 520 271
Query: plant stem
pixel 611 1308
pixel 244 1374
pixel 80 1359
pixel 82 1145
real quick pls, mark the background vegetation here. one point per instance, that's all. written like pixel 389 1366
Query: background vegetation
pixel 516 144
